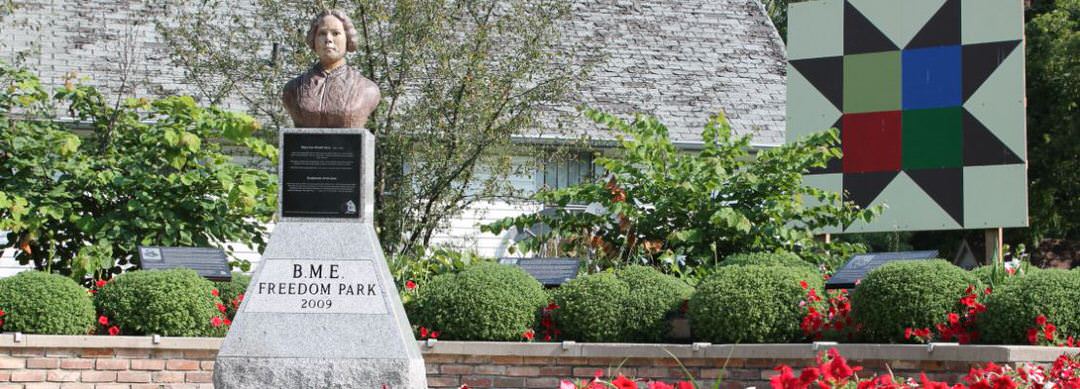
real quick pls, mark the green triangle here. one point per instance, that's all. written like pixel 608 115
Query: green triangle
pixel 808 111
pixel 999 103
pixel 909 209
pixel 898 20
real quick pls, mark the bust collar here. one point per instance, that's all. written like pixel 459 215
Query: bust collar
pixel 317 69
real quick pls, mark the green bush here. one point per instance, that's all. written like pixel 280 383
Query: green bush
pixel 40 303
pixel 486 301
pixel 592 308
pixel 229 292
pixel 175 302
pixel 916 294
pixel 1011 309
pixel 150 173
pixel 779 258
pixel 751 304
pixel 653 297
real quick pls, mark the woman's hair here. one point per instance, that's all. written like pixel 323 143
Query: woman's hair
pixel 350 30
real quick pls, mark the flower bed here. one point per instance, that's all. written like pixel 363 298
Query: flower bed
pixel 134 362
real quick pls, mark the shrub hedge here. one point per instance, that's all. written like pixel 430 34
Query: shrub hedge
pixel 36 302
pixel 592 308
pixel 779 258
pixel 916 294
pixel 176 302
pixel 652 298
pixel 487 301
pixel 1012 308
pixel 751 304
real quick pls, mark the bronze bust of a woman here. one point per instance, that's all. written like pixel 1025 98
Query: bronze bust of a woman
pixel 331 94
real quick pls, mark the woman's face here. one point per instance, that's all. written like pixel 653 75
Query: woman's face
pixel 330 41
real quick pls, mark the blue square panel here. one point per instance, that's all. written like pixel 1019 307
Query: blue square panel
pixel 931 77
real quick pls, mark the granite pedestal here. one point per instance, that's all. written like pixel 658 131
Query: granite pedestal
pixel 322 310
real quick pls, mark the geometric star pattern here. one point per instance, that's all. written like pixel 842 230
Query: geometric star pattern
pixel 929 102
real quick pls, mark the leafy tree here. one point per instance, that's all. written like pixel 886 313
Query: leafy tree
pixel 148 173
pixel 459 80
pixel 659 204
pixel 1053 77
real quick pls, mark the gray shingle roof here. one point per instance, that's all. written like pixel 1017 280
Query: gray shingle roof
pixel 682 60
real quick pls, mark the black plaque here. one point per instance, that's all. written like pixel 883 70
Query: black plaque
pixel 209 262
pixel 549 271
pixel 861 264
pixel 321 177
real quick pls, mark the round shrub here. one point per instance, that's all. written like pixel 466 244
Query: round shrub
pixel 653 296
pixel 916 294
pixel 751 304
pixel 1012 308
pixel 229 292
pixel 175 302
pixel 487 301
pixel 779 258
pixel 36 302
pixel 592 308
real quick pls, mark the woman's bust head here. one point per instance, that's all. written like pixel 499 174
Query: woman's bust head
pixel 331 35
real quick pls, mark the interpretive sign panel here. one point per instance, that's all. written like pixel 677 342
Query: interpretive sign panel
pixel 317 286
pixel 549 271
pixel 321 175
pixel 861 264
pixel 208 262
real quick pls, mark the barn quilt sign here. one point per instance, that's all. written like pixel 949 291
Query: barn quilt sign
pixel 928 96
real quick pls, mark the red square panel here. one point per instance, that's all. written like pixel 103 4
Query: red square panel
pixel 872 142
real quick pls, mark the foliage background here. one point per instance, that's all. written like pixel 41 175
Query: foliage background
pixel 459 80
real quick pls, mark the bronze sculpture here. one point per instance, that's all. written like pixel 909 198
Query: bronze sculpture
pixel 331 94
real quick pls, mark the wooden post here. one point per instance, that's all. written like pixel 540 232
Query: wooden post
pixel 828 238
pixel 993 239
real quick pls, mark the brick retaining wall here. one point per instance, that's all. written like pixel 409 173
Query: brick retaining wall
pixel 129 362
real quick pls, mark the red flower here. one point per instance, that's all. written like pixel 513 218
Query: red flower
pixel 2 313
pixel 114 330
pixel 803 284
pixel 809 375
pixel 100 283
pixel 410 285
pixel 1033 336
pixel 228 322
pixel 907 333
pixel 103 320
pixel 954 319
pixel 685 385
pixel 1040 320
pixel 434 334
pixel 221 307
pixel 423 332
pixel 528 335
pixel 216 321
pixel 621 382
pixel 928 384
pixel 215 293
pixel 838 368
pixel 1004 382
pixel 659 385
pixel 597 373
pixel 1048 331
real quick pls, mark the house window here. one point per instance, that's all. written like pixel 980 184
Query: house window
pixel 565 172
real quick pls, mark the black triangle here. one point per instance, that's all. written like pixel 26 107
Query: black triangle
pixel 945 187
pixel 863 188
pixel 826 74
pixel 982 147
pixel 980 60
pixel 862 36
pixel 835 165
pixel 943 29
